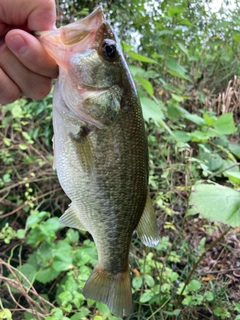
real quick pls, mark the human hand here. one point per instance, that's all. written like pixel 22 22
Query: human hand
pixel 25 66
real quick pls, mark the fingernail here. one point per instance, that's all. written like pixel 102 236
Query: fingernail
pixel 17 43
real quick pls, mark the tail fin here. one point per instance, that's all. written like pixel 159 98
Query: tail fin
pixel 112 289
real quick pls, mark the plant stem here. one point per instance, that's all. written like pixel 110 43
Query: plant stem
pixel 197 263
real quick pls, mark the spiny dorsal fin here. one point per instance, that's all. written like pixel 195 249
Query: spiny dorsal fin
pixel 147 229
pixel 71 218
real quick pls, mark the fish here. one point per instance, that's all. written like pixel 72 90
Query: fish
pixel 101 152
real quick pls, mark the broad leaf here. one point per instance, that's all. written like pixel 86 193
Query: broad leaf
pixel 151 110
pixel 175 10
pixel 176 69
pixel 182 136
pixel 215 202
pixel 146 84
pixel 234 177
pixel 182 47
pixel 47 275
pixel 209 120
pixel 235 149
pixel 236 36
pixel 140 57
pixel 225 124
pixel 195 118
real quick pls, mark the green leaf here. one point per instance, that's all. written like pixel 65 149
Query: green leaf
pixel 229 166
pixel 234 177
pixel 56 314
pixel 214 161
pixel 208 295
pixel 208 200
pixel 195 119
pixel 125 46
pixel 146 84
pixel 7 141
pixel 5 314
pixel 175 312
pixel 151 110
pixel 235 149
pixel 137 282
pixel 23 146
pixel 16 110
pixel 29 271
pixel 187 301
pixel 182 47
pixel 225 124
pixel 35 217
pixel 209 120
pixel 165 32
pixel 83 313
pixel 194 285
pixel 176 69
pixel 175 10
pixel 136 70
pixel 140 57
pixel 146 296
pixel 149 280
pixel 21 233
pixel 185 22
pixel 103 307
pixel 182 136
pixel 178 97
pixel 62 256
pixel 199 136
pixel 65 297
pixel 47 275
pixel 72 236
pixel 221 312
pixel 236 36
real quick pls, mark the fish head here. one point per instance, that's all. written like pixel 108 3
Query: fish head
pixel 87 49
pixel 93 72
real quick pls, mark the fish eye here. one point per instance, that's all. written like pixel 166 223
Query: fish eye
pixel 109 49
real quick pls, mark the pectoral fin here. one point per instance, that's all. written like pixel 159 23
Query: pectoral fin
pixel 71 218
pixel 84 148
pixel 54 153
pixel 147 229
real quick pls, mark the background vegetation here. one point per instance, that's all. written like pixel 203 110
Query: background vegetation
pixel 184 57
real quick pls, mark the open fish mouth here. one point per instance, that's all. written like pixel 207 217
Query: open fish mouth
pixel 82 32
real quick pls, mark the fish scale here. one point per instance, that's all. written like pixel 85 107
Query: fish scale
pixel 100 151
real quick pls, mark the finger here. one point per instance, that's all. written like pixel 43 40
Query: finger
pixel 31 53
pixel 37 15
pixel 9 91
pixel 30 83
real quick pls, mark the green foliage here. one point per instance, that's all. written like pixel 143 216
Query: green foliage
pixel 182 57
pixel 208 200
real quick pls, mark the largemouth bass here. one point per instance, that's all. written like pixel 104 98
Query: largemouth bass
pixel 101 153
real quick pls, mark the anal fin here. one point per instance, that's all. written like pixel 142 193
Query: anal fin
pixel 147 229
pixel 71 219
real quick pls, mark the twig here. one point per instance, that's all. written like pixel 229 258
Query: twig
pixel 219 271
pixel 29 201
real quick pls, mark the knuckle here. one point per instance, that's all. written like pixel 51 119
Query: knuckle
pixel 42 89
pixel 9 91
